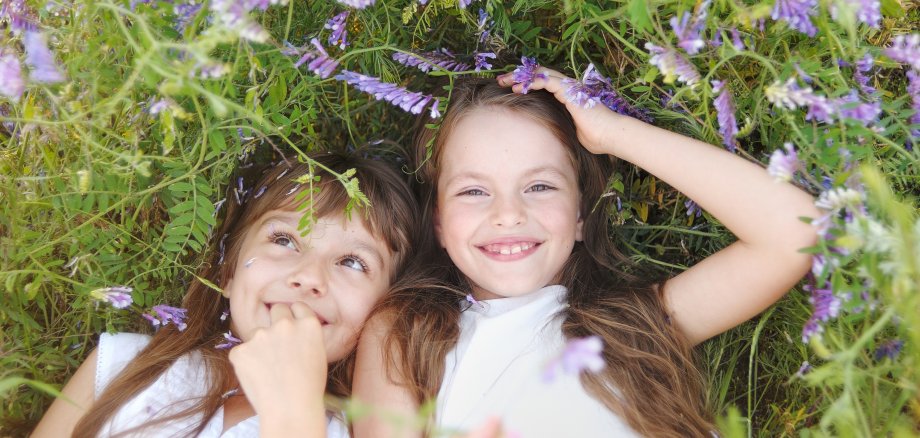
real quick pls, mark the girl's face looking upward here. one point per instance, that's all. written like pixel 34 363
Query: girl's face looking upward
pixel 508 202
pixel 340 270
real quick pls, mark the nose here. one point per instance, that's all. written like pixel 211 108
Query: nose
pixel 308 278
pixel 508 211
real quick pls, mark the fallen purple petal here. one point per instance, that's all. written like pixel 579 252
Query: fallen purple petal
pixel 230 341
pixel 579 355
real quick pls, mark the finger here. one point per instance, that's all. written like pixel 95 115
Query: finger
pixel 280 312
pixel 302 311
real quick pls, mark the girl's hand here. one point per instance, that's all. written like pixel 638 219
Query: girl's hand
pixel 282 370
pixel 594 126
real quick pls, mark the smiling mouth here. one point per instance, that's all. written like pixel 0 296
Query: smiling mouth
pixel 508 249
pixel 322 321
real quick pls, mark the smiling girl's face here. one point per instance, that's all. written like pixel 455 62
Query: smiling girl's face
pixel 340 270
pixel 508 201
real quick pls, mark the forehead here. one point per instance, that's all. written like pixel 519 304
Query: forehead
pixel 353 226
pixel 500 141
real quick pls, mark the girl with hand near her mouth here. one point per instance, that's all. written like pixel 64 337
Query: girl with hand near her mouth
pixel 523 264
pixel 296 302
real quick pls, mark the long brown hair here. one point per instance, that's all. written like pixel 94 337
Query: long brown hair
pixel 392 216
pixel 659 390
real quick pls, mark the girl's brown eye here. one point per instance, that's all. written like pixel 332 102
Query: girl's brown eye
pixel 283 240
pixel 354 262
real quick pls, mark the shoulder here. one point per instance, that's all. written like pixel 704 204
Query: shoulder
pixel 115 351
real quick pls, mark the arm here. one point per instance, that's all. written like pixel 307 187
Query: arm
pixel 749 275
pixel 392 404
pixel 282 371
pixel 63 415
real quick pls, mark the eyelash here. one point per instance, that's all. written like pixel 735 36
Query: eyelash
pixel 469 192
pixel 275 235
pixel 479 192
pixel 545 187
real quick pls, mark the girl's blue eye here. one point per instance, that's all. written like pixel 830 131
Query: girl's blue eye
pixel 283 239
pixel 354 262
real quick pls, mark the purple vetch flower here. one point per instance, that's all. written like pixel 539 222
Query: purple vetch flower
pixel 473 301
pixel 595 87
pixel 811 329
pixel 825 304
pixel 230 341
pixel 17 14
pixel 725 113
pixel 40 59
pixel 906 50
pixel 411 101
pixel 737 42
pixel 890 349
pixel 162 315
pixel 866 11
pixel 783 165
pixel 464 3
pixel 526 73
pixel 209 70
pixel 11 83
pixel 864 66
pixel 839 198
pixel 427 61
pixel 716 40
pixel 357 4
pixel 483 26
pixel 672 65
pixel 185 13
pixel 689 27
pixel 118 296
pixel 339 34
pixel 791 96
pixel 693 208
pixel 320 62
pixel 580 354
pixel 224 315
pixel 797 13
pixel 804 369
pixel 913 90
pixel 481 60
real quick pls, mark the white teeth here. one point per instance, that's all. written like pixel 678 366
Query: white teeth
pixel 509 249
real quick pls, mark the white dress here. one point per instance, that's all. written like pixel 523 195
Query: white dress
pixel 498 368
pixel 176 389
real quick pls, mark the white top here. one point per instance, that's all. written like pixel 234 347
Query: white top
pixel 176 389
pixel 498 369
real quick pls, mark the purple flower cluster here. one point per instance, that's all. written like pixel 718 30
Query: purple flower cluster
pixel 797 13
pixel 867 11
pixel 689 28
pixel 890 349
pixel 230 341
pixel 580 354
pixel 783 165
pixel 185 13
pixel 863 67
pixel 411 101
pixel 118 296
pixel 595 87
pixel 339 34
pixel 234 15
pixel 428 61
pixel 40 59
pixel 825 306
pixel 319 61
pixel 483 26
pixel 913 89
pixel 481 60
pixel 725 113
pixel 161 315
pixel 357 4
pixel 526 73
pixel 693 208
pixel 17 14
pixel 12 84
pixel 672 65
pixel 791 96
pixel 906 50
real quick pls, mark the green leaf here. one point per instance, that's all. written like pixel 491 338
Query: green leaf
pixel 639 15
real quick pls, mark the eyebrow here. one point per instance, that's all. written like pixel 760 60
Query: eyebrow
pixel 472 174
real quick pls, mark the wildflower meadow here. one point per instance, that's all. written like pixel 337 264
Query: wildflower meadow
pixel 125 125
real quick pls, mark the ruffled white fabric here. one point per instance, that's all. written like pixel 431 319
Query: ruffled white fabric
pixel 498 366
pixel 181 385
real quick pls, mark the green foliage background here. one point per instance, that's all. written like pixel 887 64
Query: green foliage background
pixel 95 191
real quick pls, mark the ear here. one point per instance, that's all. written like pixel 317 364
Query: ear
pixel 578 228
pixel 436 219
